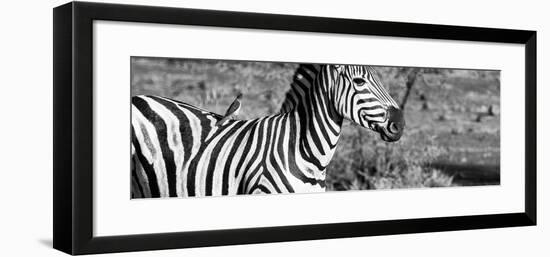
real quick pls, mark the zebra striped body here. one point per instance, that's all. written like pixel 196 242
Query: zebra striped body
pixel 177 149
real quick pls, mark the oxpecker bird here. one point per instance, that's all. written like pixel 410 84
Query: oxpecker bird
pixel 232 111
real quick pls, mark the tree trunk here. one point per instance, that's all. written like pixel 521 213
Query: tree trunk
pixel 411 78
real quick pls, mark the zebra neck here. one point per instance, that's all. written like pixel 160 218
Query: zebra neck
pixel 320 128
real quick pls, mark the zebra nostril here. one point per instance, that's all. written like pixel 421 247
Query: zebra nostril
pixel 393 128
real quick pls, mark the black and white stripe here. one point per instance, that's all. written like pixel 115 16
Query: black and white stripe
pixel 177 149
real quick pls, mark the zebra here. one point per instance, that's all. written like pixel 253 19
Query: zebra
pixel 179 151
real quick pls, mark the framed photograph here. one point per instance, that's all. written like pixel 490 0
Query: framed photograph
pixel 178 128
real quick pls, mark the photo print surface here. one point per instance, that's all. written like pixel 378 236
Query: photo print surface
pixel 221 127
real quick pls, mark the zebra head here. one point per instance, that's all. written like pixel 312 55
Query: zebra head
pixel 361 98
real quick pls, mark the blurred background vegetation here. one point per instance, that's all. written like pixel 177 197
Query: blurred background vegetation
pixel 452 136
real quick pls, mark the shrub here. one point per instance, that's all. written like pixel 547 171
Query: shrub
pixel 364 162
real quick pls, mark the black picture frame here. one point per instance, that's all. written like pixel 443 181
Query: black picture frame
pixel 73 127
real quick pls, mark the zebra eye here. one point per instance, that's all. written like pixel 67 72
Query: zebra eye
pixel 359 81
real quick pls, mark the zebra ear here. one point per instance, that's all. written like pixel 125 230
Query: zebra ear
pixel 338 67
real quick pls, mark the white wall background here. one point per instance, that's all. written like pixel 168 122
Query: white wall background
pixel 26 128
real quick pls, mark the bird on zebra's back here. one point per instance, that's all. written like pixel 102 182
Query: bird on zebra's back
pixel 231 112
pixel 178 151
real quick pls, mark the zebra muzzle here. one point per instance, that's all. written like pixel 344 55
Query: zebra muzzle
pixel 392 129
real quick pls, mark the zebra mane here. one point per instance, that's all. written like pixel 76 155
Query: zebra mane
pixel 302 80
